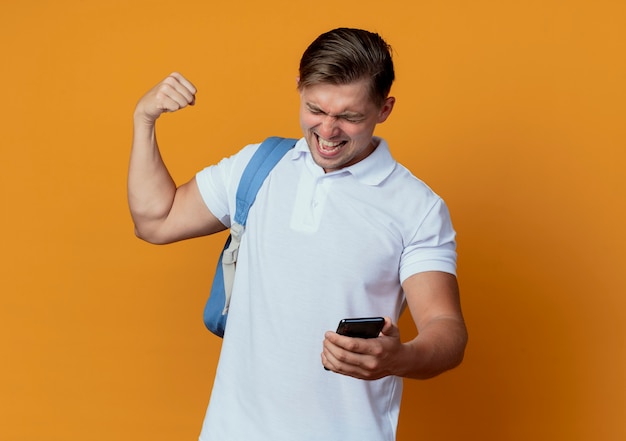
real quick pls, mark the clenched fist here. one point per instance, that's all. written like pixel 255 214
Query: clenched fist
pixel 173 93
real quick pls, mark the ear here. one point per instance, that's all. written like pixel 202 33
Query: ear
pixel 386 109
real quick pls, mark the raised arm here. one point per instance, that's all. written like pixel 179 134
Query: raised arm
pixel 162 212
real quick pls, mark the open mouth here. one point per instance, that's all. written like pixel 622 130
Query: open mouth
pixel 329 148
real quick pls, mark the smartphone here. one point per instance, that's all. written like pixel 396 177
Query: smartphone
pixel 368 327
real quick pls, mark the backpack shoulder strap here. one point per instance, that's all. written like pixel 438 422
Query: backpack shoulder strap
pixel 260 165
pixel 262 162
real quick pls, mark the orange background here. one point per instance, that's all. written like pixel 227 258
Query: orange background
pixel 512 110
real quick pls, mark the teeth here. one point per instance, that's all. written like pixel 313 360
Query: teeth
pixel 328 144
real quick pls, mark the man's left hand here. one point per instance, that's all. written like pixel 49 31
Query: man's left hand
pixel 367 359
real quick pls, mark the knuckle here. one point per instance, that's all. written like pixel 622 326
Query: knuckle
pixel 353 345
pixel 168 82
pixel 161 94
pixel 342 357
pixel 163 90
pixel 376 350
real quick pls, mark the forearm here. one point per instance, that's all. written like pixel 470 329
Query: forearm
pixel 151 189
pixel 439 347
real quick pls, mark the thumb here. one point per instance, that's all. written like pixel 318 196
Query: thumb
pixel 390 329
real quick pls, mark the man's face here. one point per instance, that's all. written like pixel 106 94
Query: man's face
pixel 338 122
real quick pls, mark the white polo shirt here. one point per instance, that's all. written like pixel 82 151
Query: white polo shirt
pixel 318 247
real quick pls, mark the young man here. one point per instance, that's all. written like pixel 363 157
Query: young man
pixel 339 229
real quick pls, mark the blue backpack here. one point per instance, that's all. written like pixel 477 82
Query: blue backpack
pixel 260 165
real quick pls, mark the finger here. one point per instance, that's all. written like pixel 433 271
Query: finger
pixel 332 363
pixel 171 98
pixel 325 361
pixel 170 95
pixel 185 82
pixel 390 329
pixel 331 354
pixel 182 86
pixel 352 365
pixel 350 344
pixel 343 357
pixel 171 104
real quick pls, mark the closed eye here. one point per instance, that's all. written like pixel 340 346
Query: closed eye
pixel 353 118
pixel 315 110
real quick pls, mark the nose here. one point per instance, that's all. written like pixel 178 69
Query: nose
pixel 329 127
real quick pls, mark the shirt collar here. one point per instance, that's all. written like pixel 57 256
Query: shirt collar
pixel 370 171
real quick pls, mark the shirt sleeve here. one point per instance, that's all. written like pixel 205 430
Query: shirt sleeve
pixel 218 183
pixel 433 247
